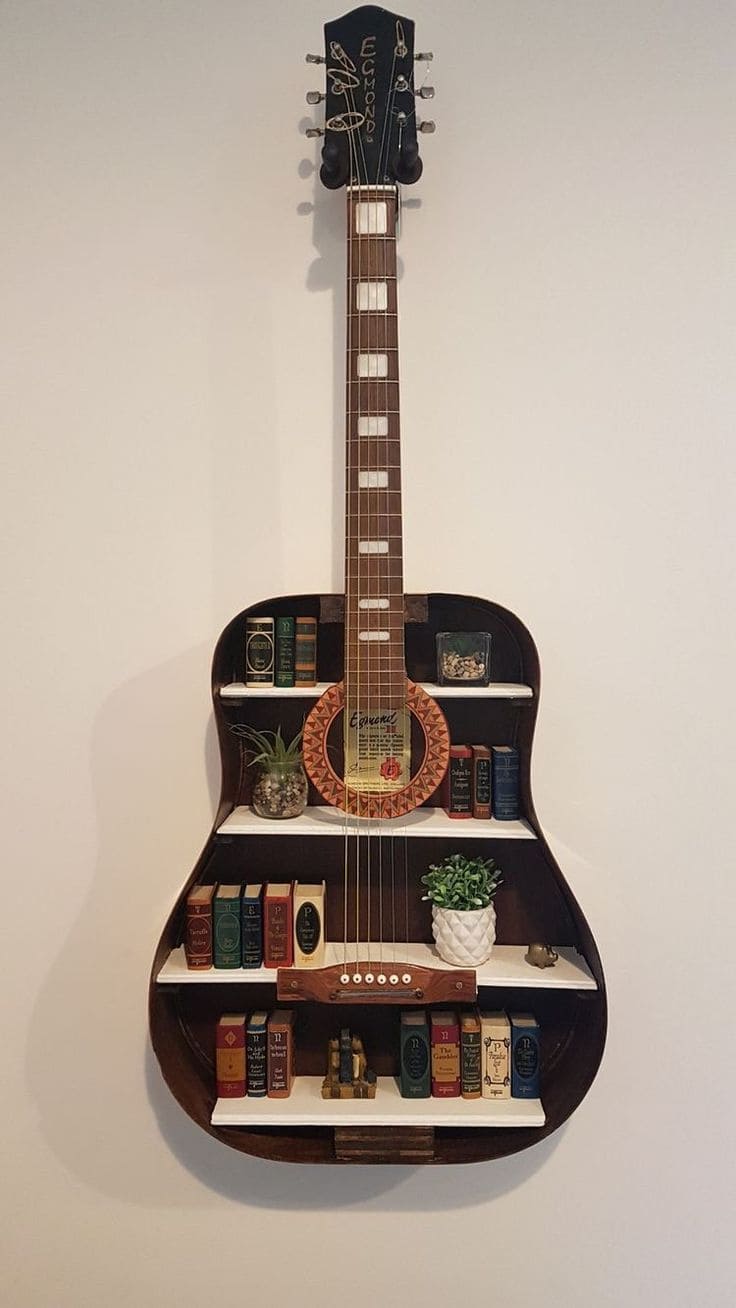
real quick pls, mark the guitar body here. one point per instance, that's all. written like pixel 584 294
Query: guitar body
pixel 377 739
pixel 533 904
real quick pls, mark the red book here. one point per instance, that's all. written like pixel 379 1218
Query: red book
pixel 445 1034
pixel 198 935
pixel 278 933
pixel 280 1053
pixel 458 784
pixel 230 1056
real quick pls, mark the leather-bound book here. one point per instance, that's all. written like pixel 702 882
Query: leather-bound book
pixel 309 929
pixel 226 926
pixel 445 1033
pixel 481 786
pixel 414 1079
pixel 198 932
pixel 524 1056
pixel 284 675
pixel 505 783
pixel 280 1054
pixel 305 652
pixel 251 925
pixel 278 943
pixel 495 1036
pixel 255 1048
pixel 470 1055
pixel 458 782
pixel 230 1056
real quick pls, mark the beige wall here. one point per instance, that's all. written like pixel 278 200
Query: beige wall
pixel 170 455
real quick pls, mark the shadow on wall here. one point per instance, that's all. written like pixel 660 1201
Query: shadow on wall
pixel 102 1105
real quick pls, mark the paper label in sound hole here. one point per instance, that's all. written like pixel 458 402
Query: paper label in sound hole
pixel 377 748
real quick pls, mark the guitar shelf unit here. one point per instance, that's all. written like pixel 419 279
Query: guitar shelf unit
pixel 534 903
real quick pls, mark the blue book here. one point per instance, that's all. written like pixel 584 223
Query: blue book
pixel 524 1056
pixel 505 784
pixel 251 908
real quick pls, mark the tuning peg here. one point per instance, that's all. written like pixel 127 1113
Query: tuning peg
pixel 426 56
pixel 314 97
pixel 315 59
pixel 315 131
pixel 427 126
pixel 426 93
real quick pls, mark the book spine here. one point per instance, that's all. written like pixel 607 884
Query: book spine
pixel 445 1062
pixel 415 1063
pixel 481 781
pixel 198 937
pixel 470 1078
pixel 252 932
pixel 309 936
pixel 505 784
pixel 259 651
pixel 284 674
pixel 305 652
pixel 230 1060
pixel 278 945
pixel 524 1062
pixel 256 1061
pixel 280 1061
pixel 496 1063
pixel 459 776
pixel 226 932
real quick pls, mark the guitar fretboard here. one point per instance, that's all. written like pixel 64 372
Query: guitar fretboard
pixel 374 585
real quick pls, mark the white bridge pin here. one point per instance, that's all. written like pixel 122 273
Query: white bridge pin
pixel 357 978
pixel 393 979
pixel 344 979
pixel 369 978
pixel 406 978
pixel 381 979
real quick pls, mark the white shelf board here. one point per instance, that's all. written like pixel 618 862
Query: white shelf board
pixel 496 690
pixel 306 1107
pixel 505 967
pixel 324 820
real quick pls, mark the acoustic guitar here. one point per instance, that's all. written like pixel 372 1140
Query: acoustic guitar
pixel 377 731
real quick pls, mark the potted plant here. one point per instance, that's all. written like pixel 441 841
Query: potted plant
pixel 280 787
pixel 463 917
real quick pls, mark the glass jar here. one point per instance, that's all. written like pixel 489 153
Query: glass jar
pixel 280 789
pixel 463 658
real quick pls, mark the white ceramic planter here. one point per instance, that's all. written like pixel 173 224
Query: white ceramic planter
pixel 464 938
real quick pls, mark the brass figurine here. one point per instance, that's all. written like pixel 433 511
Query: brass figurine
pixel 541 956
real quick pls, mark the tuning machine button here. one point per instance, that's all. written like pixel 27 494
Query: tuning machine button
pixel 424 56
pixel 426 93
pixel 315 131
pixel 315 59
pixel 427 126
pixel 314 97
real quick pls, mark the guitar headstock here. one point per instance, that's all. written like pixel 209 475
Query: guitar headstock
pixel 370 131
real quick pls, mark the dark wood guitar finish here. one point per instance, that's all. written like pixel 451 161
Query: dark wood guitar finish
pixel 381 644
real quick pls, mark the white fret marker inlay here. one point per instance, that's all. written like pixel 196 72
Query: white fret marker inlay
pixel 373 635
pixel 373 603
pixel 373 426
pixel 372 480
pixel 372 365
pixel 371 218
pixel 373 547
pixel 372 296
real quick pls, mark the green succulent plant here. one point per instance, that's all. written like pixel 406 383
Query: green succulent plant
pixel 462 883
pixel 269 747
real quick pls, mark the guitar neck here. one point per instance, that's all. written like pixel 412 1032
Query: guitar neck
pixel 374 584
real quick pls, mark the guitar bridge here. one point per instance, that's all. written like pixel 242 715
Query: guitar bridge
pixel 379 982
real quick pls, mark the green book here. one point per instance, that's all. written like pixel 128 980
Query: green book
pixel 414 1078
pixel 284 675
pixel 226 926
